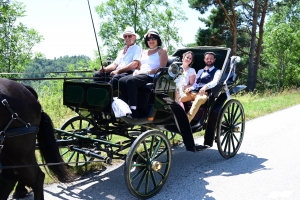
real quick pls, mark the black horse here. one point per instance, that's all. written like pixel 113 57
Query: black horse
pixel 22 121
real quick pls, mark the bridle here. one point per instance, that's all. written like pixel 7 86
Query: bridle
pixel 13 132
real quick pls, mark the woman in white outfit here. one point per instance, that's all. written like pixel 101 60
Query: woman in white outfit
pixel 188 76
pixel 152 58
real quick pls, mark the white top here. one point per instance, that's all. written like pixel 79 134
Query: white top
pixel 149 62
pixel 134 52
pixel 187 74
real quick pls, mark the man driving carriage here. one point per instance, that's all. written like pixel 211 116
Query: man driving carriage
pixel 206 79
pixel 127 60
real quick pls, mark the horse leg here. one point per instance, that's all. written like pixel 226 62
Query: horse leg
pixel 20 190
pixel 38 185
pixel 8 180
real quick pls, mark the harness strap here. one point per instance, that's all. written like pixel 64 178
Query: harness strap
pixel 12 132
pixel 20 131
pixel 13 114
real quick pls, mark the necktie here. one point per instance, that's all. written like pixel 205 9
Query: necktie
pixel 205 70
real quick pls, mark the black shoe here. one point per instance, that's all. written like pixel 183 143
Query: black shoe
pixel 134 114
pixel 201 147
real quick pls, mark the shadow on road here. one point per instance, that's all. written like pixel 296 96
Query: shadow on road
pixel 186 179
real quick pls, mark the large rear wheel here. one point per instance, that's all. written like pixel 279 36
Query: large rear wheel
pixel 230 128
pixel 148 164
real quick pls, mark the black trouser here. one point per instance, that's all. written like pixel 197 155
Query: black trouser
pixel 112 80
pixel 129 86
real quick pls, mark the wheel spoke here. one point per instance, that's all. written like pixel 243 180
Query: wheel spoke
pixel 137 175
pixel 153 179
pixel 71 156
pixel 141 181
pixel 157 147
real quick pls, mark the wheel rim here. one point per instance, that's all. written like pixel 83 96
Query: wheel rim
pixel 77 125
pixel 148 164
pixel 231 126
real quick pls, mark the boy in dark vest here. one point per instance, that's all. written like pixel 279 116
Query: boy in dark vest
pixel 206 79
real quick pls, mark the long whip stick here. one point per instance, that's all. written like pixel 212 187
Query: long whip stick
pixel 95 34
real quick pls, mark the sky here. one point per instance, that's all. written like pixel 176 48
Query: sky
pixel 67 27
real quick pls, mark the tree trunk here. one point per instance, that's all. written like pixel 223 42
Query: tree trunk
pixel 260 39
pixel 251 68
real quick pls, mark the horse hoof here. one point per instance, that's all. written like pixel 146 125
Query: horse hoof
pixel 20 194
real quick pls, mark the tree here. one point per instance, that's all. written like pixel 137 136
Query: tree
pixel 282 46
pixel 141 15
pixel 16 40
pixel 239 16
pixel 225 13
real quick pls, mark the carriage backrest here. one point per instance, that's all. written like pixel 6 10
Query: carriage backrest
pixel 222 58
pixel 163 83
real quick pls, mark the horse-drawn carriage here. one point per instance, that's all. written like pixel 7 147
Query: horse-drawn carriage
pixel 144 143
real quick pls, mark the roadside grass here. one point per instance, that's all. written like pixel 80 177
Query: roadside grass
pixel 255 105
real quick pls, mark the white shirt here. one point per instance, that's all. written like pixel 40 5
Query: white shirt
pixel 187 74
pixel 134 52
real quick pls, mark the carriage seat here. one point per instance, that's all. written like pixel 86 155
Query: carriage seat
pixel 171 59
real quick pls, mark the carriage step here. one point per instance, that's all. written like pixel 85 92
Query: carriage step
pixel 134 133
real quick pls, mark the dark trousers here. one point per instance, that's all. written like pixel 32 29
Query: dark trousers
pixel 129 86
pixel 98 77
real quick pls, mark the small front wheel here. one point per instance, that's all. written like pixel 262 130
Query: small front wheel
pixel 230 128
pixel 78 125
pixel 148 164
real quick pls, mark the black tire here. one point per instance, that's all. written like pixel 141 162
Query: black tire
pixel 148 164
pixel 80 126
pixel 230 128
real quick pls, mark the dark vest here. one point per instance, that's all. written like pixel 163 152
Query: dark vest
pixel 202 81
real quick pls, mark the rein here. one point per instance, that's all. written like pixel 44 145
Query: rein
pixel 48 164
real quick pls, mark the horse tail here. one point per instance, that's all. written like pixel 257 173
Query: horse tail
pixel 50 151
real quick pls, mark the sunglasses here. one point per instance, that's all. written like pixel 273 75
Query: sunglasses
pixel 127 36
pixel 151 38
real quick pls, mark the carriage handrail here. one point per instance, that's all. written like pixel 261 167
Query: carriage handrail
pixel 50 78
pixel 62 72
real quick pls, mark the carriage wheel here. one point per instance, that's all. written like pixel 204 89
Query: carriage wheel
pixel 79 125
pixel 230 128
pixel 148 164
pixel 170 135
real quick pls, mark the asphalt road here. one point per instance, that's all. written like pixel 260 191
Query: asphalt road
pixel 267 167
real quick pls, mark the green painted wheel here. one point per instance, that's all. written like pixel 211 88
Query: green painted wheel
pixel 170 135
pixel 80 126
pixel 230 128
pixel 148 164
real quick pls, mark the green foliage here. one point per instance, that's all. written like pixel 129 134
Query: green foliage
pixel 141 15
pixel 16 40
pixel 282 48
